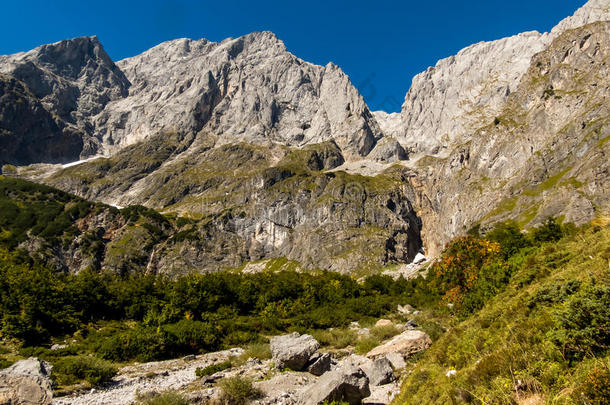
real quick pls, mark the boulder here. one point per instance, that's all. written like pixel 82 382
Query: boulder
pixel 382 394
pixel 383 322
pixel 293 351
pixel 320 364
pixel 397 360
pixel 407 343
pixel 347 383
pixel 379 371
pixel 419 258
pixel 405 309
pixel 26 382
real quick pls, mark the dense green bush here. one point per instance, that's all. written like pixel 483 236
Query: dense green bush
pixel 509 236
pixel 70 370
pixel 584 322
pixel 550 231
pixel 237 391
pixel 213 368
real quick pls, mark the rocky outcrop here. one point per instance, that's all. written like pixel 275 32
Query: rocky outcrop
pixel 26 382
pixel 388 150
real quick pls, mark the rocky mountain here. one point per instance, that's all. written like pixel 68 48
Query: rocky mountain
pixel 249 89
pixel 451 100
pixel 545 153
pixel 74 80
pixel 273 157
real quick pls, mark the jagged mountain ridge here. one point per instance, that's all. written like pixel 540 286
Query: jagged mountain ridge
pixel 246 89
pixel 170 138
pixel 440 111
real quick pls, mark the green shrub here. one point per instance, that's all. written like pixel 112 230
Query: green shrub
pixel 549 231
pixel 165 398
pixel 238 390
pixel 584 322
pixel 212 368
pixel 70 370
pixel 509 236
pixel 4 363
pixel 150 343
pixel 367 344
pixel 337 338
pixel 596 388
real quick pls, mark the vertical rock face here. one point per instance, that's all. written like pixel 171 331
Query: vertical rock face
pixel 462 93
pixel 73 79
pixel 29 132
pixel 546 154
pixel 458 95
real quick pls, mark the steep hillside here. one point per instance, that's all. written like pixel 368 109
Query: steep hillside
pixel 239 207
pixel 544 338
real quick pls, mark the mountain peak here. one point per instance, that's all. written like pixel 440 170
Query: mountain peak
pixel 592 11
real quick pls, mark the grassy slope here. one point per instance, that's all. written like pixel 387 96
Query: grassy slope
pixel 509 352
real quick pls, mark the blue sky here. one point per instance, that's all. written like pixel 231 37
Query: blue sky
pixel 380 44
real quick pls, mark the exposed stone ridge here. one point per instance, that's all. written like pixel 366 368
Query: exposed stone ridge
pixel 593 10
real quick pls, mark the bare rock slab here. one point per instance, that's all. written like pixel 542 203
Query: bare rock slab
pixel 407 343
pixel 320 364
pixel 26 382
